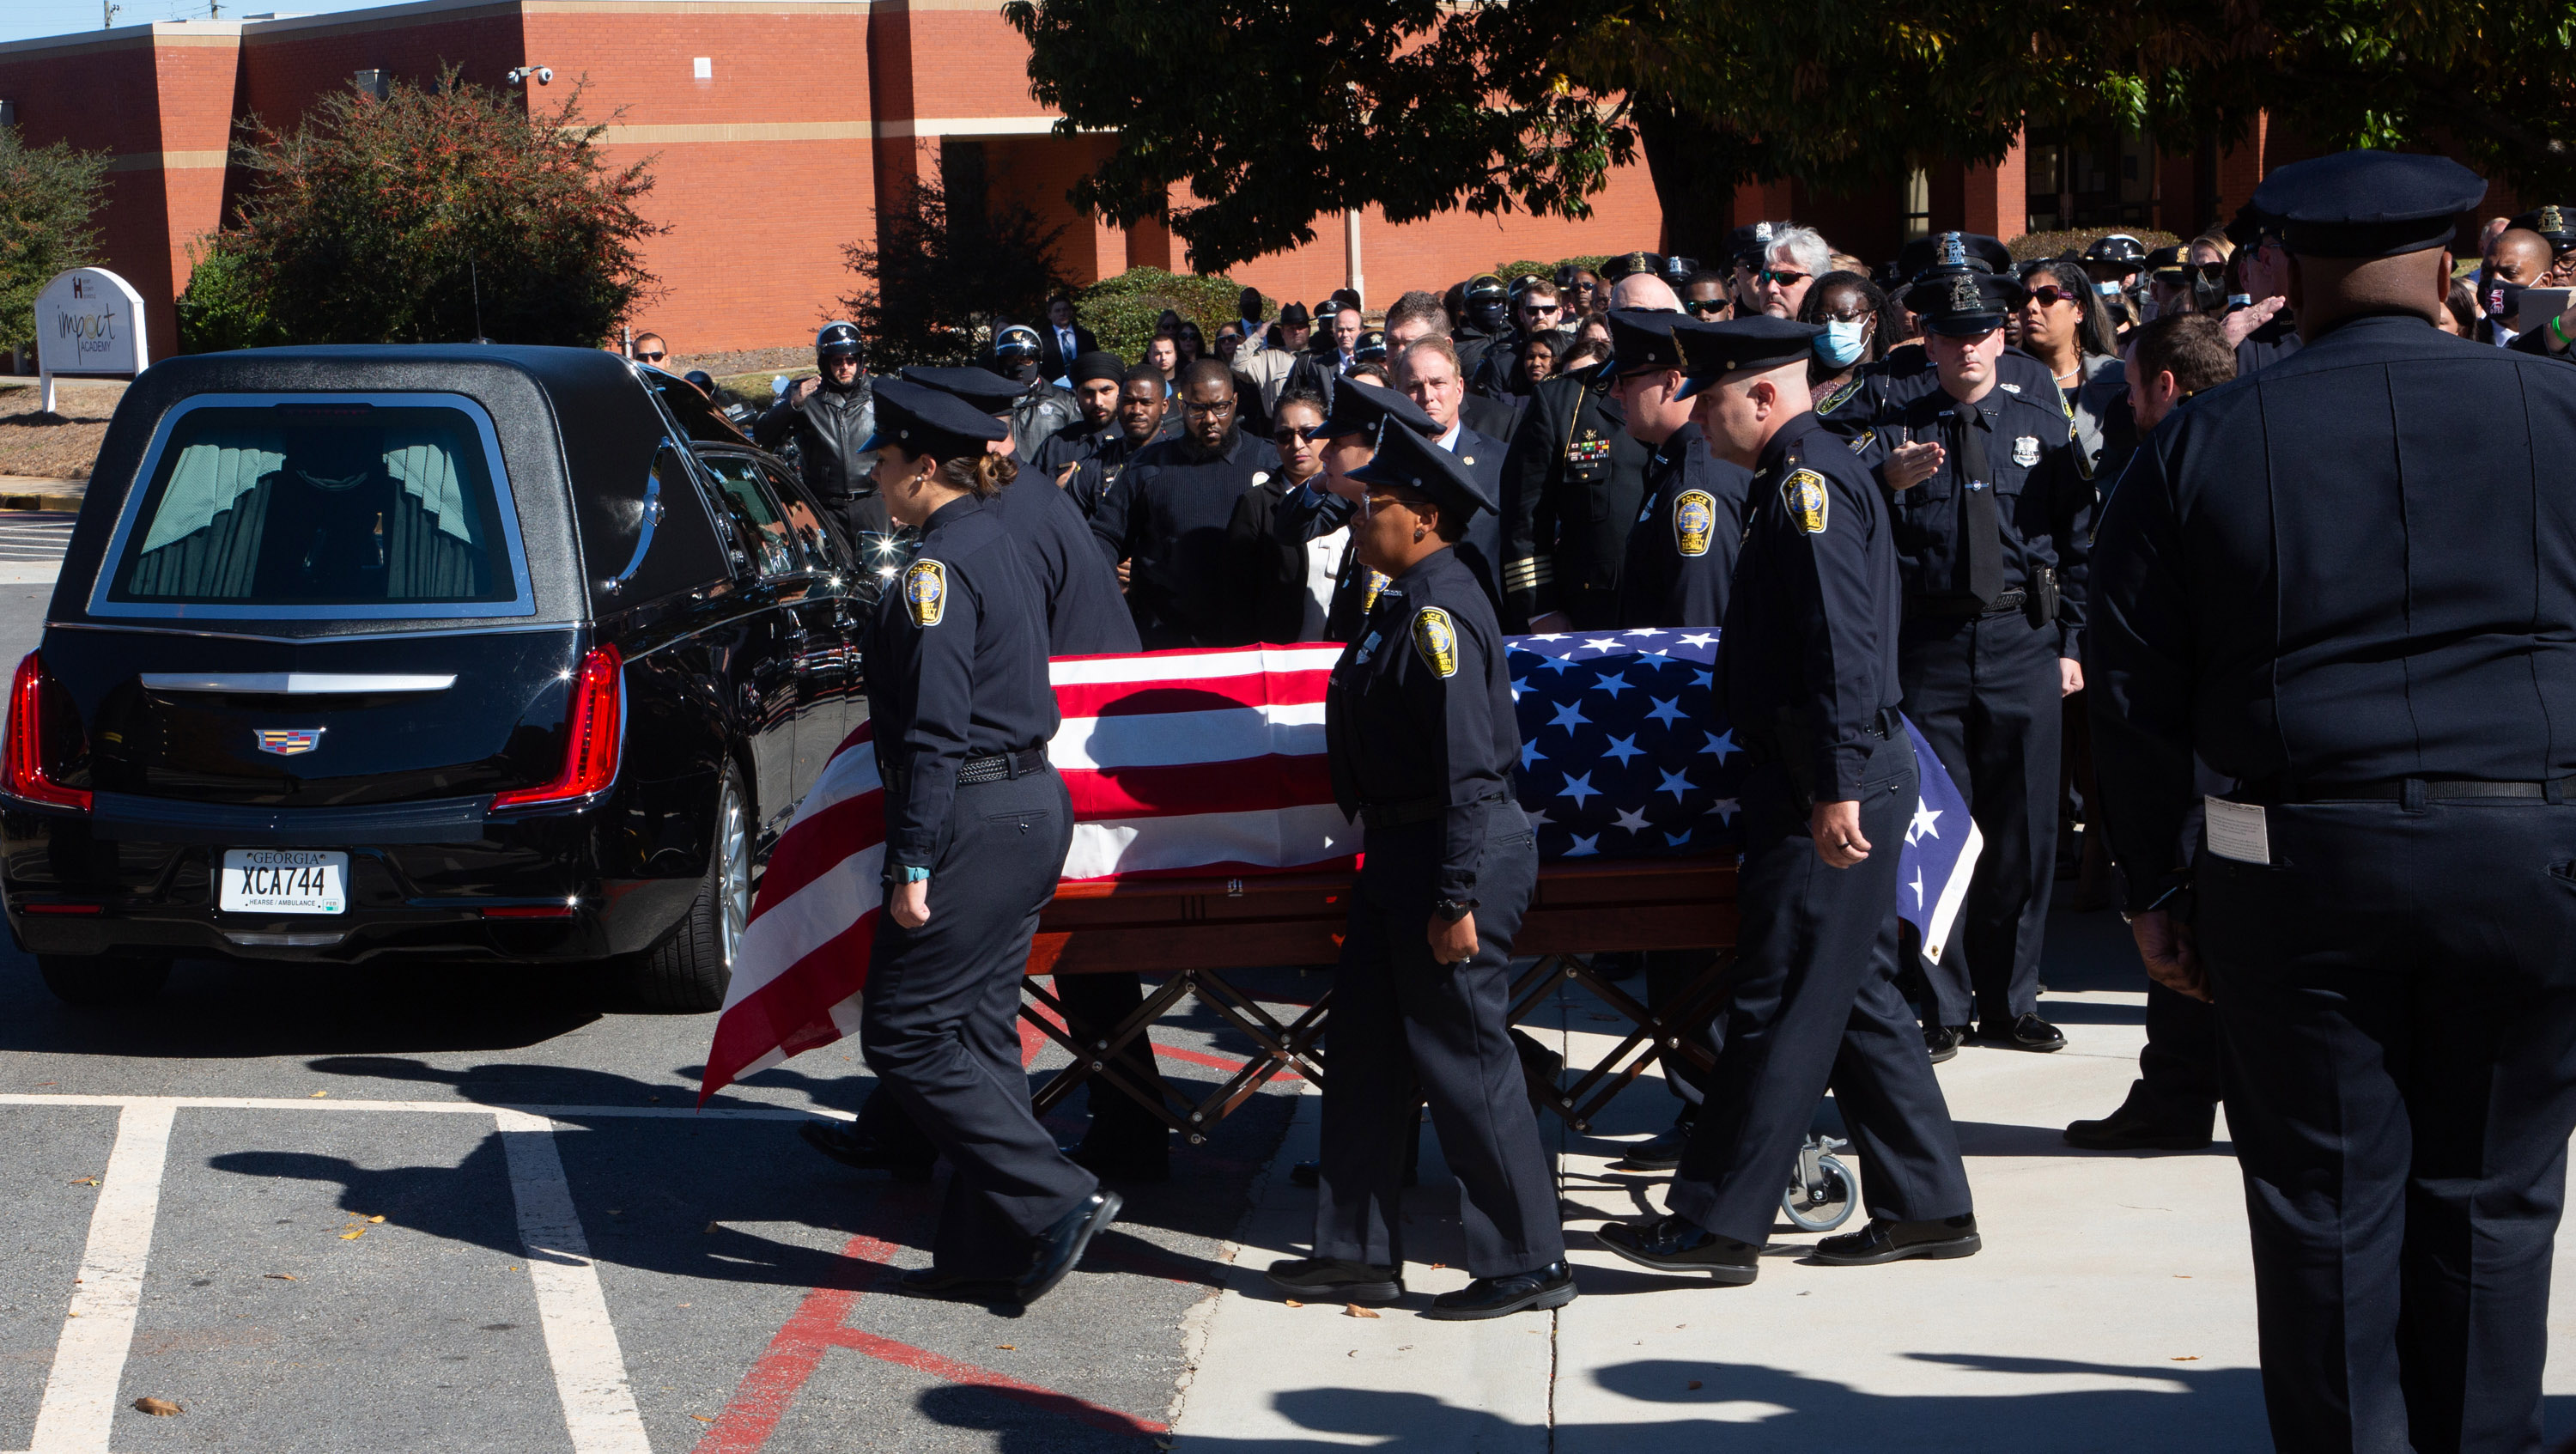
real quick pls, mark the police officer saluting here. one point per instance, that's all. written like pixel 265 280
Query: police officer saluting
pixel 976 828
pixel 1419 727
pixel 2354 596
pixel 1809 659
pixel 1991 518
pixel 1681 551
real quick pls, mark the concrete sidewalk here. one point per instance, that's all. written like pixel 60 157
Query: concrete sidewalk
pixel 2112 1307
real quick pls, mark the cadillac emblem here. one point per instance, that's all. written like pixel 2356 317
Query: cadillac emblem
pixel 288 741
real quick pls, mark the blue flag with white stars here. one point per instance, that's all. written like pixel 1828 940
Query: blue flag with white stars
pixel 1624 755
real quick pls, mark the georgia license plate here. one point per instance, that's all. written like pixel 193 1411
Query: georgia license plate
pixel 284 881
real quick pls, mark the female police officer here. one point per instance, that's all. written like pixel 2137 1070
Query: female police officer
pixel 976 828
pixel 1418 721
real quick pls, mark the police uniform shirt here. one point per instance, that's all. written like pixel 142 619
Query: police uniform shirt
pixel 1809 649
pixel 1908 373
pixel 1072 444
pixel 1167 517
pixel 2044 505
pixel 956 668
pixel 1681 551
pixel 1420 706
pixel 1572 486
pixel 1085 614
pixel 2276 340
pixel 2373 592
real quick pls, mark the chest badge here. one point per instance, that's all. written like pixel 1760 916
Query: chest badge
pixel 1861 442
pixel 1694 521
pixel 925 591
pixel 1804 495
pixel 1436 639
pixel 1377 581
pixel 2026 451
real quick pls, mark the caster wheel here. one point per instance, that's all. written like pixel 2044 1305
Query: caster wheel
pixel 1825 1204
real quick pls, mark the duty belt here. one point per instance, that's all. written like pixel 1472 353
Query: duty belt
pixel 2009 601
pixel 1415 810
pixel 992 767
pixel 2398 790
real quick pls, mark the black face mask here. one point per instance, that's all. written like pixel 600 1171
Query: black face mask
pixel 2208 295
pixel 1489 316
pixel 2500 299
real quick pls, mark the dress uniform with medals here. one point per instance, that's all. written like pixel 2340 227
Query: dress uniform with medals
pixel 1992 551
pixel 1809 667
pixel 1571 489
pixel 1422 740
pixel 957 683
pixel 2354 596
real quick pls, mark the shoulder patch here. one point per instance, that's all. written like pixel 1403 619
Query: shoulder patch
pixel 1808 502
pixel 1436 639
pixel 1694 521
pixel 925 591
pixel 1838 397
pixel 1861 442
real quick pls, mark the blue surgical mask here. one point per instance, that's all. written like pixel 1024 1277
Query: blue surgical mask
pixel 1840 344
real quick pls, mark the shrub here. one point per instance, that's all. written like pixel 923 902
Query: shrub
pixel 47 196
pixel 221 308
pixel 1123 310
pixel 941 279
pixel 432 216
pixel 1524 267
pixel 2033 245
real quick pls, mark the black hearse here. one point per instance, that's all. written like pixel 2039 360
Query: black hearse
pixel 512 653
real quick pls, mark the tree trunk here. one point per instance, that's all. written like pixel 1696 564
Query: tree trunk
pixel 1695 165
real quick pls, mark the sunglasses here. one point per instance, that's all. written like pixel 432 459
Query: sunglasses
pixel 2212 271
pixel 1290 435
pixel 1784 277
pixel 2049 296
pixel 650 357
pixel 1706 305
pixel 1542 307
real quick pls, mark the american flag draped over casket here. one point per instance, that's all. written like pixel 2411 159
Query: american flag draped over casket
pixel 1211 763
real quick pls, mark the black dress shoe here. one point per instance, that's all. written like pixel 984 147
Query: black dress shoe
pixel 931 1282
pixel 1551 1286
pixel 1122 1163
pixel 1336 1280
pixel 2138 1126
pixel 1060 1246
pixel 1890 1241
pixel 2030 1032
pixel 1663 1152
pixel 1943 1041
pixel 1677 1244
pixel 852 1149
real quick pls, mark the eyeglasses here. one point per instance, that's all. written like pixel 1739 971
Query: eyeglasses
pixel 1205 411
pixel 650 357
pixel 2050 295
pixel 1852 314
pixel 1784 277
pixel 1706 305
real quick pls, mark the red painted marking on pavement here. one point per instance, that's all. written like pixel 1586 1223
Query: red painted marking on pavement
pixel 763 1397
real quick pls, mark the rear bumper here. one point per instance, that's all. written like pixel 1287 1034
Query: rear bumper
pixel 438 879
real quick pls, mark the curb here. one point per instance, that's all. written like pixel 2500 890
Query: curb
pixel 41 493
pixel 62 504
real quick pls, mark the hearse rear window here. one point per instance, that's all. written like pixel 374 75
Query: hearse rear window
pixel 320 506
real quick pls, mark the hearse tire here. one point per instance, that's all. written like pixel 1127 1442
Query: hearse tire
pixel 689 971
pixel 103 981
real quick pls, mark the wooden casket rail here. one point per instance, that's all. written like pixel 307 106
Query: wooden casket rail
pixel 1197 929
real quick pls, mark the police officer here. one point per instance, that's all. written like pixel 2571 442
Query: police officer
pixel 1422 740
pixel 1488 321
pixel 1095 376
pixel 832 416
pixel 2383 906
pixel 1907 372
pixel 1363 416
pixel 1572 485
pixel 1041 409
pixel 2112 262
pixel 976 828
pixel 1991 515
pixel 1809 660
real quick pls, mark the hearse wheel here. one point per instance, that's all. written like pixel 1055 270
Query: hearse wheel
pixel 689 970
pixel 103 981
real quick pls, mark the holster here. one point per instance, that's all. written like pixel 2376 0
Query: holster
pixel 2039 603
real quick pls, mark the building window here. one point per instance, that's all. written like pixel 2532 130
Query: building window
pixel 1918 204
pixel 374 83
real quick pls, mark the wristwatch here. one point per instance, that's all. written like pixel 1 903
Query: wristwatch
pixel 1454 910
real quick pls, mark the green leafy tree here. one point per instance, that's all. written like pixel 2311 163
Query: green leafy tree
pixel 1275 113
pixel 221 308
pixel 437 215
pixel 48 196
pixel 942 276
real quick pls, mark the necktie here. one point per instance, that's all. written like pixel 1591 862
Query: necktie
pixel 1980 526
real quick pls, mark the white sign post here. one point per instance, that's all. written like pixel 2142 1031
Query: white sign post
pixel 89 321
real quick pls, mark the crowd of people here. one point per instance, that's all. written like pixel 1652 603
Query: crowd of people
pixel 1957 489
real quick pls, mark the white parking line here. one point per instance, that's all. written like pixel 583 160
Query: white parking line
pixel 80 1394
pixel 78 1411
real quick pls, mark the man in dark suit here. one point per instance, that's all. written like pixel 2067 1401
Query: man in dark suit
pixel 1062 341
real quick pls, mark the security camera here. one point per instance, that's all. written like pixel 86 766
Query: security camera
pixel 545 74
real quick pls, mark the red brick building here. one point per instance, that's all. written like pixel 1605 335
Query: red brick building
pixel 778 126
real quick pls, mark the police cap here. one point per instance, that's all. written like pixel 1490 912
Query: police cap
pixel 1409 461
pixel 2164 265
pixel 1943 254
pixel 919 419
pixel 1634 262
pixel 1641 339
pixel 2118 247
pixel 2366 204
pixel 1750 244
pixel 1371 344
pixel 1098 364
pixel 1360 407
pixel 1964 304
pixel 1711 351
pixel 983 388
pixel 2553 221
